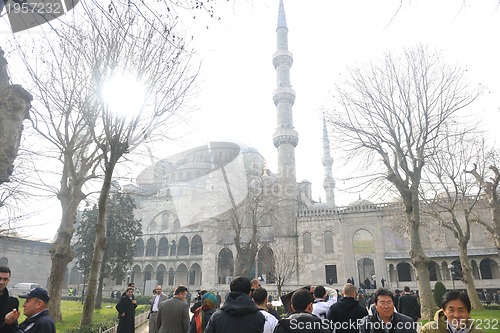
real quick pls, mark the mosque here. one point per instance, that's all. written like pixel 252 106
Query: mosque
pixel 186 240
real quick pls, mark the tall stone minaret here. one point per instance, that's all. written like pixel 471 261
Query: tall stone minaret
pixel 328 182
pixel 285 138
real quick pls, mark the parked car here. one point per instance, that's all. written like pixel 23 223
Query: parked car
pixel 23 288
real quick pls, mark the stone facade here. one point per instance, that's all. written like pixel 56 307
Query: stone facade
pixel 29 261
pixel 183 244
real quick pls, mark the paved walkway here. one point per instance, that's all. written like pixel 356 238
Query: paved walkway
pixel 144 328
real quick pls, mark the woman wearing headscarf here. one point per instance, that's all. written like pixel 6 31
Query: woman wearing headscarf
pixel 203 313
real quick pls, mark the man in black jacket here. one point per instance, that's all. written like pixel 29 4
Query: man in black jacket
pixel 7 302
pixel 239 313
pixel 408 305
pixel 384 318
pixel 345 314
pixel 301 319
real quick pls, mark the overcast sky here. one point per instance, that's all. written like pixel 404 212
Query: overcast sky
pixel 237 76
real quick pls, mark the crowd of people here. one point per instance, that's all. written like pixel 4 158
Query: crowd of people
pixel 246 308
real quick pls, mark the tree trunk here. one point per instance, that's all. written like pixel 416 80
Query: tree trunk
pixel 495 216
pixel 99 247
pixel 419 258
pixel 15 103
pixel 62 252
pixel 98 300
pixel 467 278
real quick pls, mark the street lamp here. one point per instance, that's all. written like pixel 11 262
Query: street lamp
pixel 452 269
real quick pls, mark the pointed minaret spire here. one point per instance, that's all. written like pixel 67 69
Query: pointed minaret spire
pixel 281 15
pixel 285 138
pixel 328 182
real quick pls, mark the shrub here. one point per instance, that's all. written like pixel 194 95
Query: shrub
pixel 94 328
pixel 439 291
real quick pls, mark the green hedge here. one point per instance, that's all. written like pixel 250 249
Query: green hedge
pixel 94 328
pixel 439 291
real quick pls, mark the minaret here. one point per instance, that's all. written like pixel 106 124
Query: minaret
pixel 285 138
pixel 328 182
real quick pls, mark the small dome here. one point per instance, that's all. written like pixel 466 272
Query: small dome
pixel 319 205
pixel 360 202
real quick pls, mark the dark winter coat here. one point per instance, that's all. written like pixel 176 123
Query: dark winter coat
pixel 7 304
pixel 400 323
pixel 41 323
pixel 126 323
pixel 345 314
pixel 302 322
pixel 238 314
pixel 408 305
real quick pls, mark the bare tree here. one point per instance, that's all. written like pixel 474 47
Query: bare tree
pixel 85 135
pixel 490 188
pixel 252 218
pixel 59 118
pixel 454 203
pixel 283 265
pixel 394 111
pixel 112 48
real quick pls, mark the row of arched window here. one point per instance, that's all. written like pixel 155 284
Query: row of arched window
pixel 164 248
pixel 327 238
pixel 486 270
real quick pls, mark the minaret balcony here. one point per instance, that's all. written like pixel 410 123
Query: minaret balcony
pixel 282 57
pixel 283 94
pixel 285 136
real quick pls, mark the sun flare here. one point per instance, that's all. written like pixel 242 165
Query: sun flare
pixel 124 94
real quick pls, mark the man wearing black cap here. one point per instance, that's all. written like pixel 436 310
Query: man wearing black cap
pixel 35 309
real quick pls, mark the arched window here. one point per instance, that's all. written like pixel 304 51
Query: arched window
pixel 160 274
pixel 488 269
pixel 306 242
pixel 183 247
pixel 434 273
pixel 225 266
pixel 266 264
pixel 173 248
pixel 148 273
pixel 163 247
pixel 363 242
pixel 151 248
pixel 328 235
pixel 139 248
pixel 196 246
pixel 404 271
pixel 171 276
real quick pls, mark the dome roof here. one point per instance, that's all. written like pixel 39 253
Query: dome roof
pixel 319 205
pixel 360 202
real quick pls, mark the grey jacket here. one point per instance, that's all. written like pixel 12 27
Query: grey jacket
pixel 173 316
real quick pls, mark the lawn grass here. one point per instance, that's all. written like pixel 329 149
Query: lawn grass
pixel 72 313
pixel 487 318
